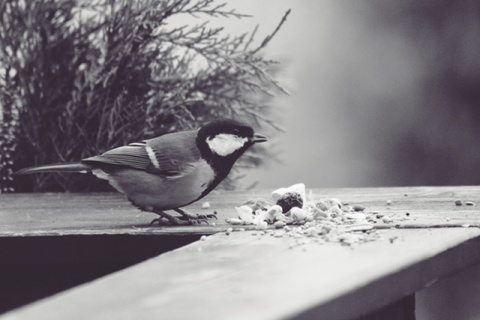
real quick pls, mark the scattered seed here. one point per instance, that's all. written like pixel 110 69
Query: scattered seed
pixel 469 203
pixel 318 221
pixel 279 224
pixel 235 221
pixel 458 202
pixel 358 207
pixel 322 205
pixel 261 225
pixel 387 219
pixel 333 202
pixel 312 231
pixel 290 200
pixel 298 214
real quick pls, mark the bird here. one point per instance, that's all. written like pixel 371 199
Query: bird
pixel 170 171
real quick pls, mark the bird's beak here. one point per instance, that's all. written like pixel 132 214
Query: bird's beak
pixel 259 138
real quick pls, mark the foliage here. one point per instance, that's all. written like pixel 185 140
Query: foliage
pixel 78 78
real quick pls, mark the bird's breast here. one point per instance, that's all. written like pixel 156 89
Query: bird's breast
pixel 147 189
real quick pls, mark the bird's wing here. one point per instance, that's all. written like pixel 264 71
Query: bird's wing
pixel 166 155
pixel 175 152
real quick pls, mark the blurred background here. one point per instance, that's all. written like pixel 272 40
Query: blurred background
pixel 383 93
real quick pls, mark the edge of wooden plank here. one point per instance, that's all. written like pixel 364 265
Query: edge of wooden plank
pixel 243 277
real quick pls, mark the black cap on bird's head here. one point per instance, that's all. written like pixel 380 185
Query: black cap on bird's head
pixel 226 139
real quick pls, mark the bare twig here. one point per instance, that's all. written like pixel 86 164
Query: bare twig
pixel 270 37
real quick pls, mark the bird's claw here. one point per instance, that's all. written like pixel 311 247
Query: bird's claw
pixel 186 218
pixel 179 221
pixel 175 222
pixel 199 221
pixel 200 216
pixel 195 219
pixel 160 221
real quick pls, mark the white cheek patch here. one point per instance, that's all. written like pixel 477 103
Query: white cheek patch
pixel 225 144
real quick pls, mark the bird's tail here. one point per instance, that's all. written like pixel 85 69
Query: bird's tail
pixel 59 167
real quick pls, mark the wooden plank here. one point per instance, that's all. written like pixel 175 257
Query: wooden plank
pixel 245 276
pixel 240 276
pixel 54 214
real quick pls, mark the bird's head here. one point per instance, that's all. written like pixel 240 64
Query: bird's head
pixel 226 139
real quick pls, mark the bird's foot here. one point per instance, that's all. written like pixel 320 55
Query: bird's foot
pixel 159 221
pixel 196 217
pixel 176 221
pixel 167 219
pixel 185 218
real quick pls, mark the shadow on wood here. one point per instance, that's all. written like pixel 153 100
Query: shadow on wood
pixel 32 268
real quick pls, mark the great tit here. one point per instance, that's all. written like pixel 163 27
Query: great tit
pixel 169 171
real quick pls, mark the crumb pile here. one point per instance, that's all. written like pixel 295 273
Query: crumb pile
pixel 291 213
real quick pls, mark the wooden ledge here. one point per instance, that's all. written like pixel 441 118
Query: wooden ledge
pixel 246 276
pixel 241 276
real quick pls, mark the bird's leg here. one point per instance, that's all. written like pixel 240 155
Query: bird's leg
pixel 200 217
